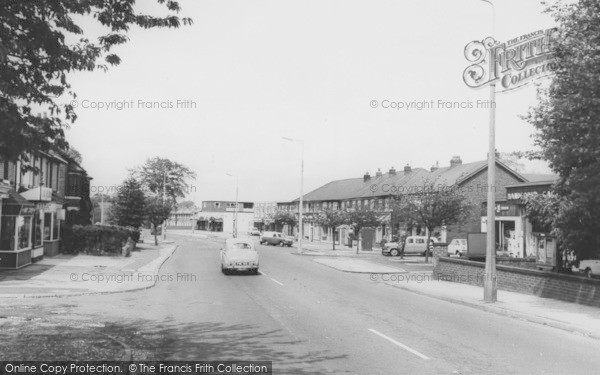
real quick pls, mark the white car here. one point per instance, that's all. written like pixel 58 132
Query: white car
pixel 589 267
pixel 239 255
pixel 457 246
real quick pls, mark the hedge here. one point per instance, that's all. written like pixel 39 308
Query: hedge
pixel 97 239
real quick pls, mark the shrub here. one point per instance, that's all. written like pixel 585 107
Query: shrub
pixel 97 239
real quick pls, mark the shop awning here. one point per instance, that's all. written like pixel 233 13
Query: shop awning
pixel 15 204
pixel 38 194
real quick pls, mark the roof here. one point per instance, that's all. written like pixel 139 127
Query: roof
pixel 540 177
pixel 401 182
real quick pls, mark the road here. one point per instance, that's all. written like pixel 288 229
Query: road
pixel 305 317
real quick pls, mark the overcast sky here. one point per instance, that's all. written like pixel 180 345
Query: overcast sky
pixel 261 70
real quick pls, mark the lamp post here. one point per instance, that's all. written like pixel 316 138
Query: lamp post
pixel 490 287
pixel 235 213
pixel 300 208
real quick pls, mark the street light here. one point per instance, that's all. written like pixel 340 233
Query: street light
pixel 235 214
pixel 301 228
pixel 490 287
pixel 164 198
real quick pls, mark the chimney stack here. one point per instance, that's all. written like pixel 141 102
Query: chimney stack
pixel 456 160
pixel 366 177
pixel 392 171
pixel 407 169
pixel 378 173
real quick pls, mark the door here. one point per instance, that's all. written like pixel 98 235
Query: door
pixel 410 245
pixel 368 237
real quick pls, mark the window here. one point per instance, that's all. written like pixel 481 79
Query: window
pixel 55 228
pixel 217 204
pixel 47 226
pixel 420 240
pixel 24 232
pixel 4 170
pixel 7 232
pixel 410 240
pixel 36 229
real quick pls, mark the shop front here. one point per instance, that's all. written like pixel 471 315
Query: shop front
pixel 49 213
pixel 16 227
pixel 509 230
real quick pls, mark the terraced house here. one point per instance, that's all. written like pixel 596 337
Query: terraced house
pixel 35 206
pixel 377 191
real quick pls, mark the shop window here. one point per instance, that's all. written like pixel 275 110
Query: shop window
pixel 7 232
pixel 47 226
pixel 55 228
pixel 36 229
pixel 24 232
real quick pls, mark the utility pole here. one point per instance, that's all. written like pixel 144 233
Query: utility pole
pixel 490 287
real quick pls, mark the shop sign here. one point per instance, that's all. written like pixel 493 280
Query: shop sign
pixel 514 63
pixel 27 210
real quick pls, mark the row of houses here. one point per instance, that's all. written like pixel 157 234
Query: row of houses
pixel 33 207
pixel 514 233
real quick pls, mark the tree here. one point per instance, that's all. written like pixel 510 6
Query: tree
pixel 433 207
pixel 567 124
pixel 157 212
pixel 158 174
pixel 128 209
pixel 36 57
pixel 281 218
pixel 331 219
pixel 363 218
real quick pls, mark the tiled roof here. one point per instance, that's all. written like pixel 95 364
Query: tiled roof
pixel 401 182
pixel 539 177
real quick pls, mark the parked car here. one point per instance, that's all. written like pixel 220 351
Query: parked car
pixel 254 232
pixel 412 245
pixel 275 238
pixel 457 246
pixel 239 254
pixel 590 267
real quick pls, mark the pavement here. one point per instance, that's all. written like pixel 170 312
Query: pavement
pixel 71 275
pixel 306 317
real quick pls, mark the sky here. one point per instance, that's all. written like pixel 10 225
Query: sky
pixel 248 73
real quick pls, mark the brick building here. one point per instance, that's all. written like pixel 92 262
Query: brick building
pixel 34 206
pixel 377 192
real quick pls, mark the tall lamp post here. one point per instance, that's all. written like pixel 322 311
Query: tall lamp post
pixel 490 287
pixel 300 209
pixel 164 198
pixel 235 213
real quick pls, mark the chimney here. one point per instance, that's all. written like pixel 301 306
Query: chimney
pixel 366 177
pixel 434 167
pixel 378 173
pixel 392 171
pixel 456 160
pixel 407 169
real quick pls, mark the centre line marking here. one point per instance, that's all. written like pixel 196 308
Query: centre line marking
pixel 423 356
pixel 262 273
pixel 276 281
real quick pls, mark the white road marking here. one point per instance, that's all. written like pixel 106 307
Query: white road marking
pixel 264 274
pixel 399 344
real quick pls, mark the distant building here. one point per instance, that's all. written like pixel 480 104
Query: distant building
pixel 218 216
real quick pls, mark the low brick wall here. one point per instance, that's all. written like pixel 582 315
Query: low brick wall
pixel 563 287
pixel 529 263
